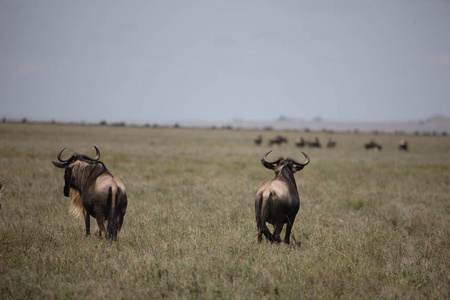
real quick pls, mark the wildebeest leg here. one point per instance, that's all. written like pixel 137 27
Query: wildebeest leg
pixel 102 229
pixel 87 221
pixel 101 226
pixel 288 231
pixel 262 229
pixel 119 224
pixel 260 232
pixel 265 208
pixel 278 227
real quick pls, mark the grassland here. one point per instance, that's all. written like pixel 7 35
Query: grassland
pixel 371 224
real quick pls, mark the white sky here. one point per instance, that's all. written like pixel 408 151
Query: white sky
pixel 165 61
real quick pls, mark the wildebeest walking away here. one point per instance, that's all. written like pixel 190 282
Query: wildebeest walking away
pixel 278 140
pixel 300 142
pixel 403 145
pixel 277 201
pixel 313 142
pixel 94 191
pixel 331 142
pixel 258 140
pixel 373 145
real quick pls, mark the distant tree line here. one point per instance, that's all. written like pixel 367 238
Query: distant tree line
pixel 224 127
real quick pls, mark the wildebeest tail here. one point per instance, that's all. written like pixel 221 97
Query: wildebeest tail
pixel 262 213
pixel 258 204
pixel 265 203
pixel 111 231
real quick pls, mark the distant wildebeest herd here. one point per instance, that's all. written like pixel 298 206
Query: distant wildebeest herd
pixel 314 142
pixel 95 192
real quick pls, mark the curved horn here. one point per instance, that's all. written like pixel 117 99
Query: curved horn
pixel 64 160
pixel 302 164
pixel 97 155
pixel 269 164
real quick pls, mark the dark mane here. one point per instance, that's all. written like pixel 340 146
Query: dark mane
pixel 97 171
pixel 287 174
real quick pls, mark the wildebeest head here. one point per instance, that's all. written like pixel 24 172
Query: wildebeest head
pixel 278 164
pixel 73 161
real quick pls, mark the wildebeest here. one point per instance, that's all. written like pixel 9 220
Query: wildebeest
pixel 258 140
pixel 373 145
pixel 313 142
pixel 403 145
pixel 277 201
pixel 279 139
pixel 94 191
pixel 331 142
pixel 300 142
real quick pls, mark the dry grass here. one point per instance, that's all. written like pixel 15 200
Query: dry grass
pixel 371 224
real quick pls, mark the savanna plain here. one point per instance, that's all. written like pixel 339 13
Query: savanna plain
pixel 371 224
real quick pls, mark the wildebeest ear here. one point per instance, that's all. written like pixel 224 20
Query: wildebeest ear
pixel 296 168
pixel 270 164
pixel 59 164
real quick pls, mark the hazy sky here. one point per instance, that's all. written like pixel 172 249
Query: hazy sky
pixel 164 61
